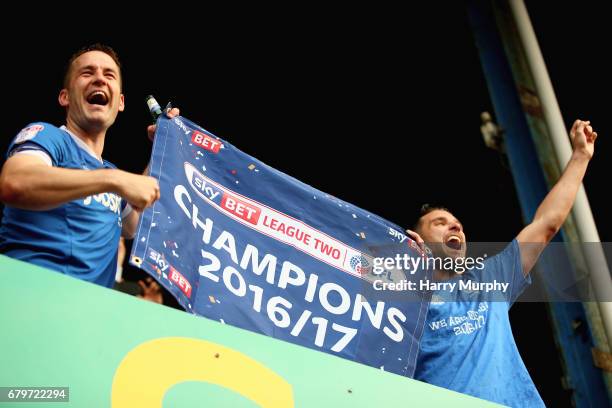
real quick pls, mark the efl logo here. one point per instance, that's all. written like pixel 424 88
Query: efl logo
pixel 180 281
pixel 360 265
pixel 240 208
pixel 204 141
pixel 28 133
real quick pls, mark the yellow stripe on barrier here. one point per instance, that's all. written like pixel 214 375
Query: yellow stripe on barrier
pixel 148 371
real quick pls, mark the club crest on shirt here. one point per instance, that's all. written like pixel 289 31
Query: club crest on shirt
pixel 28 133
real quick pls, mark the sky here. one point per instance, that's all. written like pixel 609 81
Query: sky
pixel 379 108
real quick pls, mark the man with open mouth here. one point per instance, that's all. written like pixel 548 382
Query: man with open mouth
pixel 467 345
pixel 65 206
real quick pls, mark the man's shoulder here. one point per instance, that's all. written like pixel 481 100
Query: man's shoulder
pixel 37 131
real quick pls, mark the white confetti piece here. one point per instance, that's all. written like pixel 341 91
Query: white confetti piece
pixel 175 254
pixel 354 216
pixel 143 239
pixel 251 167
pixel 154 224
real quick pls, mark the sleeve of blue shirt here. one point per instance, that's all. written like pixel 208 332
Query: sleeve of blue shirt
pixel 507 267
pixel 42 135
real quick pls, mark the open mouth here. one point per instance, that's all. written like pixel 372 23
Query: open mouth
pixel 97 98
pixel 453 242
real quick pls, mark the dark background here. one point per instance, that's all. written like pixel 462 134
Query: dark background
pixel 377 107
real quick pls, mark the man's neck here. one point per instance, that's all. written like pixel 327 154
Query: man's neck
pixel 93 139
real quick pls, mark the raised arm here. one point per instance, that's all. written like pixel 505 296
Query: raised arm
pixel 555 207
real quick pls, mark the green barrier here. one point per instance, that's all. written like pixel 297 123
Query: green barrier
pixel 115 350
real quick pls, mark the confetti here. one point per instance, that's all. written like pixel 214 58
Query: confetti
pixel 362 235
pixel 354 216
pixel 175 254
pixel 251 167
pixel 211 298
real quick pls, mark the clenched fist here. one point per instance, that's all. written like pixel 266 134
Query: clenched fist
pixel 140 191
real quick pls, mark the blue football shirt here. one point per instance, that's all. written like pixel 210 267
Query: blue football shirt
pixel 467 345
pixel 79 238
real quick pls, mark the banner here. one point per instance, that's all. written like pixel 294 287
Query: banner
pixel 240 242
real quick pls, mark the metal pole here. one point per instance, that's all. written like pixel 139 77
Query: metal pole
pixel 587 231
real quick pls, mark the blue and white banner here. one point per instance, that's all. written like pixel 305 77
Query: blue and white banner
pixel 237 241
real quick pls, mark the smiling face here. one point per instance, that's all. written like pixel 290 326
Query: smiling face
pixel 92 94
pixel 443 233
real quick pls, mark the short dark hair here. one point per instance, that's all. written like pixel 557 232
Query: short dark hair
pixel 426 209
pixel 93 47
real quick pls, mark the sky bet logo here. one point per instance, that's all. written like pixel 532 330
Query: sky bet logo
pixel 158 258
pixel 205 141
pixel 180 281
pixel 205 188
pixel 220 197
